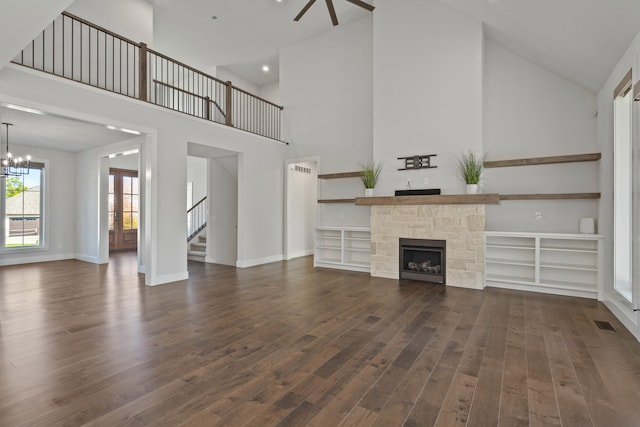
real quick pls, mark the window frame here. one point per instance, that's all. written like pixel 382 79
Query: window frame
pixel 43 166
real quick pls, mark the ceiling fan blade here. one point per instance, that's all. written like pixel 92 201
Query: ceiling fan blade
pixel 362 4
pixel 332 12
pixel 304 10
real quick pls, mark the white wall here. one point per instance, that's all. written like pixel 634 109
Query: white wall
pixel 197 174
pixel 129 162
pixel 302 196
pixel 91 189
pixel 616 304
pixel 237 81
pixel 132 19
pixel 270 92
pixel 531 112
pixel 261 201
pixel 326 89
pixel 21 21
pixel 222 234
pixel 59 198
pixel 427 91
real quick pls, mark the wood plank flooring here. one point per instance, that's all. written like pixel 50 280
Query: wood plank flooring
pixel 289 345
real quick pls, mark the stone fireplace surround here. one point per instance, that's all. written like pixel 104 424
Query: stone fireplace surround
pixel 461 225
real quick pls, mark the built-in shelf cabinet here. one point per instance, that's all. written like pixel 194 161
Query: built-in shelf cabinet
pixel 562 264
pixel 344 248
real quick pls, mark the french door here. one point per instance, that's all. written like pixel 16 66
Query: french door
pixel 124 200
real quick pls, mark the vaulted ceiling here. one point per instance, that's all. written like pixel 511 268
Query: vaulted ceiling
pixel 580 40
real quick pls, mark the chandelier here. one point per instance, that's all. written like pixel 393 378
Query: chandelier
pixel 12 166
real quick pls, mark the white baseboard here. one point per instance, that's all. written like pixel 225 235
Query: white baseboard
pixel 543 290
pixel 299 254
pixel 627 317
pixel 88 258
pixel 30 260
pixel 258 261
pixel 167 278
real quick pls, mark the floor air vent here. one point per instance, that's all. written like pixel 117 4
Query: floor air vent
pixel 605 325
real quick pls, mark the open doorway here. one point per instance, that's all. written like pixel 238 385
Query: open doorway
pixel 212 175
pixel 122 196
pixel 301 207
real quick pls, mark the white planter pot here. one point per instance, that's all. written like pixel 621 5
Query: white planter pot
pixel 472 188
pixel 368 192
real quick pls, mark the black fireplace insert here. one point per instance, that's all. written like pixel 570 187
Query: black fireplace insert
pixel 423 259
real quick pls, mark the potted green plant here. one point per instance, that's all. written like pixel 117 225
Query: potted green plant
pixel 369 173
pixel 471 166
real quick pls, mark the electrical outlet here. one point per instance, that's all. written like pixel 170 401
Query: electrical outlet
pixel 426 180
pixel 538 215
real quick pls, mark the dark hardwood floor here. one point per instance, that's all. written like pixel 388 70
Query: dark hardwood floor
pixel 284 344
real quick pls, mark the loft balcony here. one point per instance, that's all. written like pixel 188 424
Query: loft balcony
pixel 78 50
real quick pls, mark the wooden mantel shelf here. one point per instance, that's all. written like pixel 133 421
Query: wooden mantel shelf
pixel 448 199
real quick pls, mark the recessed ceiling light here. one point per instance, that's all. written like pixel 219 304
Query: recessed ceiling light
pixel 265 68
pixel 25 109
pixel 131 131
pixel 135 132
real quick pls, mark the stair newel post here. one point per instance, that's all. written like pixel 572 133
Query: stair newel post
pixel 207 108
pixel 229 104
pixel 142 72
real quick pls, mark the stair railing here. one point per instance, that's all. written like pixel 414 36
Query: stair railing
pixel 79 50
pixel 196 219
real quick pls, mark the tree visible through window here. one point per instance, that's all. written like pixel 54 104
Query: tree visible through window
pixel 23 210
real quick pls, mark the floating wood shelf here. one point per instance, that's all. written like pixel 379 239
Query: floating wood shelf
pixel 448 199
pixel 337 201
pixel 574 158
pixel 460 199
pixel 339 175
pixel 556 196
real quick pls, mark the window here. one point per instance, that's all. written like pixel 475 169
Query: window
pixel 622 187
pixel 22 209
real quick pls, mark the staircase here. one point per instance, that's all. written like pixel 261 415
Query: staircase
pixel 197 248
pixel 196 234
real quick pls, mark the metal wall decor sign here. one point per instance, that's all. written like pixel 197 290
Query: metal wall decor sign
pixel 417 162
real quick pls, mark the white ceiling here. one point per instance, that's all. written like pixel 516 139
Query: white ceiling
pixel 55 132
pixel 246 34
pixel 578 39
pixel 581 40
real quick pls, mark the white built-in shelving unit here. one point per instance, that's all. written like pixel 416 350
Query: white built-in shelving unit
pixel 555 263
pixel 345 248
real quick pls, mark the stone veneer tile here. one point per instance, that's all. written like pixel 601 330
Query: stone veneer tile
pixel 462 226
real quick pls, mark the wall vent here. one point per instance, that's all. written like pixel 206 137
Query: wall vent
pixel 302 169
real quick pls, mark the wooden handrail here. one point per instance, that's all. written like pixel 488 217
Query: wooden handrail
pixel 204 98
pixel 257 97
pixel 182 64
pixel 97 27
pixel 130 68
